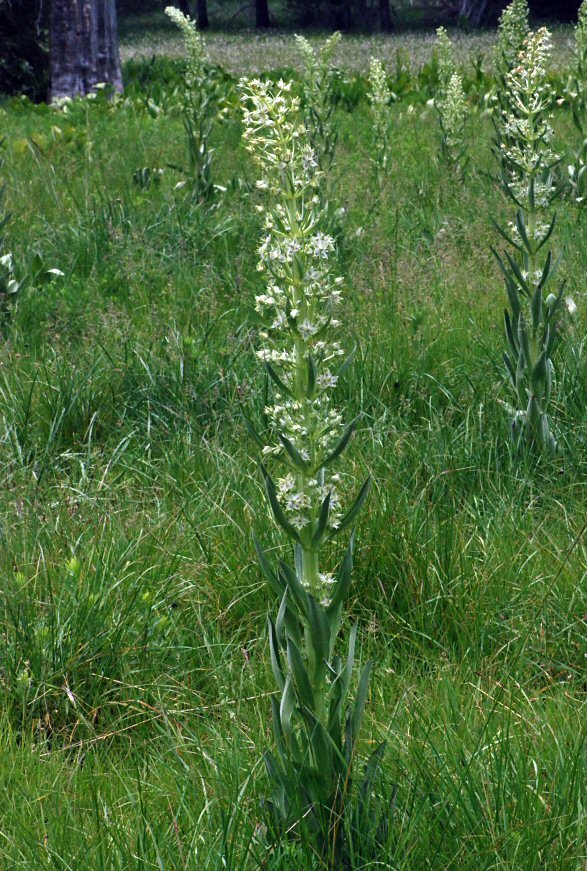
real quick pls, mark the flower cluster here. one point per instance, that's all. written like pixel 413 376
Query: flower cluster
pixel 379 96
pixel 9 286
pixel 318 90
pixel 298 312
pixel 194 46
pixel 513 29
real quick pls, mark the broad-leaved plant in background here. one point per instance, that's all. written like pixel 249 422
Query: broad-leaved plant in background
pixel 319 104
pixel 451 105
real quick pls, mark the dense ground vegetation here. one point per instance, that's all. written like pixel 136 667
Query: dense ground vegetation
pixel 133 658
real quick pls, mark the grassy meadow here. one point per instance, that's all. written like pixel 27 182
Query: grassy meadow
pixel 134 662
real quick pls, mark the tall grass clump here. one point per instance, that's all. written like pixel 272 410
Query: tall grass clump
pixel 528 162
pixel 577 95
pixel 199 105
pixel 379 96
pixel 451 106
pixel 315 725
pixel 319 105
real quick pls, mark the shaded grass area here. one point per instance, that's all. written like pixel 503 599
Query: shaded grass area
pixel 133 658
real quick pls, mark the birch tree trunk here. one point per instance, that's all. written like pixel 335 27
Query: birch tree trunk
pixel 84 47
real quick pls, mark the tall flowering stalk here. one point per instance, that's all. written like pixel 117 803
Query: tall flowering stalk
pixel 528 161
pixel 451 106
pixel 315 726
pixel 319 103
pixel 577 95
pixel 199 105
pixel 379 96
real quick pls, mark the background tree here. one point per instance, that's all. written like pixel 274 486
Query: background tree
pixel 262 14
pixel 84 47
pixel 202 15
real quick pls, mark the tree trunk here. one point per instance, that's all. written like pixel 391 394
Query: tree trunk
pixel 84 47
pixel 202 15
pixel 262 13
pixel 475 11
pixel 385 21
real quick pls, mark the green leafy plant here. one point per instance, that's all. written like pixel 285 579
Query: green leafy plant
pixel 319 104
pixel 199 106
pixel 527 178
pixel 379 96
pixel 316 726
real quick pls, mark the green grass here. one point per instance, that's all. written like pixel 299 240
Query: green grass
pixel 133 655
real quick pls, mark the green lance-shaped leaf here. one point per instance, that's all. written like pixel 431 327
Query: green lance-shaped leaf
pixel 522 283
pixel 294 454
pixel 360 701
pixel 275 656
pixel 300 677
pixel 539 373
pixel 521 226
pixel 349 518
pixel 287 705
pixel 342 584
pixel 277 727
pixel 295 587
pixel 536 307
pixel 253 432
pixel 322 521
pixel 548 233
pixel 278 512
pixel 312 375
pixel 275 582
pixel 510 368
pixel 319 637
pixel 510 332
pixel 278 381
pixel 341 444
pixel 523 339
pixel 506 236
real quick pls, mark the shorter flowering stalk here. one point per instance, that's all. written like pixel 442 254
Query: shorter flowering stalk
pixel 379 96
pixel 199 105
pixel 577 95
pixel 319 103
pixel 528 162
pixel 512 31
pixel 451 106
pixel 315 727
